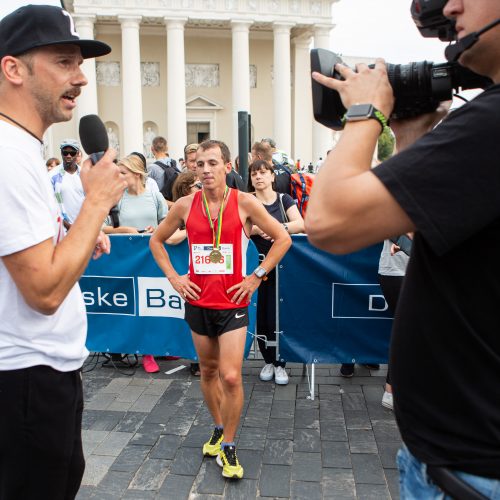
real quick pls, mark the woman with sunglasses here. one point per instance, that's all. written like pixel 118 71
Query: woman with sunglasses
pixel 283 208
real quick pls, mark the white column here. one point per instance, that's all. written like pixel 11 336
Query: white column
pixel 176 88
pixel 240 75
pixel 282 93
pixel 87 101
pixel 302 99
pixel 323 136
pixel 131 85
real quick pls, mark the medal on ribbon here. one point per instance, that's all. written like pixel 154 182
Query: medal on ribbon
pixel 215 255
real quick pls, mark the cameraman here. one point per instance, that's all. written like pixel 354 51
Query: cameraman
pixel 445 352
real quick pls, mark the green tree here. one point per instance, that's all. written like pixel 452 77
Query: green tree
pixel 385 144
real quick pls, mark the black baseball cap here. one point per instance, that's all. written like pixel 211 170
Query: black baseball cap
pixel 33 26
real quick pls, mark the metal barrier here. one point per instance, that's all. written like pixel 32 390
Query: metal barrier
pixel 329 309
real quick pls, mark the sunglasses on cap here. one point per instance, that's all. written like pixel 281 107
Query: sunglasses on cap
pixel 71 152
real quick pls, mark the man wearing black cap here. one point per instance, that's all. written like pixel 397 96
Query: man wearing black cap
pixel 42 314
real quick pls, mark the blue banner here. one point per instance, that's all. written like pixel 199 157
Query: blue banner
pixel 131 306
pixel 332 309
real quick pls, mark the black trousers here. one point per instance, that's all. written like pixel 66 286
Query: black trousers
pixel 266 319
pixel 391 286
pixel 41 455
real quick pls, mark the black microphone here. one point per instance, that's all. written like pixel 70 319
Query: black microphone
pixel 93 137
pixel 453 52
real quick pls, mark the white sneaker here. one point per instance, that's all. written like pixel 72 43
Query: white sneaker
pixel 280 375
pixel 387 400
pixel 267 373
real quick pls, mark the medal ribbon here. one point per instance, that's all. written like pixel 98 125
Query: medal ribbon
pixel 216 239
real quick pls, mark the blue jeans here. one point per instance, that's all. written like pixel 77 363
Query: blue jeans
pixel 415 484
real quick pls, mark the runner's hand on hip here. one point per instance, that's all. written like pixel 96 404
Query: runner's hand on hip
pixel 243 291
pixel 185 287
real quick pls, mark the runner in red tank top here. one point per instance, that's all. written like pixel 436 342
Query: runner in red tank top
pixel 233 242
pixel 218 221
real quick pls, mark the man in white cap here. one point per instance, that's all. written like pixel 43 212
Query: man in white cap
pixel 42 314
pixel 67 183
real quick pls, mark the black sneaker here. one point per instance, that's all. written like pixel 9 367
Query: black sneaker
pixel 347 370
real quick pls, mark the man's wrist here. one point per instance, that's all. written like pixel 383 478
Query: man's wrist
pixel 260 273
pixel 97 206
pixel 363 112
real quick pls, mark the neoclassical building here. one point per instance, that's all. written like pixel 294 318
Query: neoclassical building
pixel 184 68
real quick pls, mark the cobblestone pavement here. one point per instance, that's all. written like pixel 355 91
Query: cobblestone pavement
pixel 143 436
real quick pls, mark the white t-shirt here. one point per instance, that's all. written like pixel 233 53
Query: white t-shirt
pixel 151 184
pixel 30 215
pixel 73 194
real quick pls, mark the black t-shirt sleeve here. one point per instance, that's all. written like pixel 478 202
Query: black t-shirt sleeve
pixel 448 182
pixel 288 201
pixel 234 180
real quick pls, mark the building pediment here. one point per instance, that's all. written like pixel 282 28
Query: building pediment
pixel 200 102
pixel 261 14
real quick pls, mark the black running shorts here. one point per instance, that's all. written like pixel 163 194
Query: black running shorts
pixel 215 322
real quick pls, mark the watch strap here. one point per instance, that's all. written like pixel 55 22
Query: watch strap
pixel 378 115
pixel 375 115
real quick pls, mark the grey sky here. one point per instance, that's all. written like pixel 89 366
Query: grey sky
pixel 7 6
pixel 382 28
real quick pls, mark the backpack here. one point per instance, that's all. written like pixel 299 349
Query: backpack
pixel 301 185
pixel 282 180
pixel 170 173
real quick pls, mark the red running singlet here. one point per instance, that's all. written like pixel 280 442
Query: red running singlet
pixel 213 286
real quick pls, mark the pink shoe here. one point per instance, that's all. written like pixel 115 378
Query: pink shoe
pixel 149 364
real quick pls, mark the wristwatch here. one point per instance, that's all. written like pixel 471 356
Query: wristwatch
pixel 261 273
pixel 285 225
pixel 360 112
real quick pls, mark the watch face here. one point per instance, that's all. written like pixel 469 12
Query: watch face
pixel 359 112
pixel 260 272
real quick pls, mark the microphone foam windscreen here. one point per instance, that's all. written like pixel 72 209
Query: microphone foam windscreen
pixel 93 134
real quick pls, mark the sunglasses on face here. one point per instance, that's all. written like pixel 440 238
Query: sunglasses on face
pixel 70 152
pixel 197 185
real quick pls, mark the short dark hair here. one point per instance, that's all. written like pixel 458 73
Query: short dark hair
pixel 159 144
pixel 212 143
pixel 256 166
pixel 50 160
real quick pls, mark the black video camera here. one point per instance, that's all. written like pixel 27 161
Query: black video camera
pixel 418 87
pixel 430 21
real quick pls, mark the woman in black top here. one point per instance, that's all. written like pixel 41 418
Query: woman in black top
pixel 283 208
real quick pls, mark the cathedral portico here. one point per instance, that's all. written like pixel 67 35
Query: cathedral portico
pixel 244 55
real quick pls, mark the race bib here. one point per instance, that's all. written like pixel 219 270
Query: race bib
pixel 203 264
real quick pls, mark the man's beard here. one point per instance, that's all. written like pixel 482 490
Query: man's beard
pixel 69 164
pixel 48 107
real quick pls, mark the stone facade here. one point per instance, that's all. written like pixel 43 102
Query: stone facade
pixel 234 55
